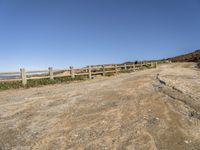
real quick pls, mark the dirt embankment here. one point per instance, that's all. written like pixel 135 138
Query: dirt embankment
pixel 146 110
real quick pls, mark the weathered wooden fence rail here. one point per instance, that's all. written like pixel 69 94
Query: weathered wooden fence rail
pixel 89 71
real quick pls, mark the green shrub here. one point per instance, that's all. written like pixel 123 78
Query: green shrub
pixel 82 77
pixel 9 85
pixel 62 79
pixel 39 82
pixel 109 74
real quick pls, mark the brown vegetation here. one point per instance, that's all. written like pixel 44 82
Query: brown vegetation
pixel 191 57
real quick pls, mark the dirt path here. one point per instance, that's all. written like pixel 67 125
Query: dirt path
pixel 155 109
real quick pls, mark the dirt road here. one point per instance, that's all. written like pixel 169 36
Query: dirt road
pixel 156 109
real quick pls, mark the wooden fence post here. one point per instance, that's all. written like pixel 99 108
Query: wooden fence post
pixel 72 72
pixel 116 71
pixel 51 73
pixel 23 76
pixel 125 67
pixel 104 71
pixel 90 72
pixel 156 64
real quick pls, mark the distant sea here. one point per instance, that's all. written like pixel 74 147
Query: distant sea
pixel 8 76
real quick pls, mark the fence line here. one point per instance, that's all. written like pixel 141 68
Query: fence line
pixel 90 71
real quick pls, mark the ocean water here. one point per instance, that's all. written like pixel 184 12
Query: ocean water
pixel 8 76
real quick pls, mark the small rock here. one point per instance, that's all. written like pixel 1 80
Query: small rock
pixel 186 141
pixel 103 122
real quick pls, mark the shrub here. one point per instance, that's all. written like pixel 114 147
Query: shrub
pixel 110 74
pixel 9 85
pixel 38 82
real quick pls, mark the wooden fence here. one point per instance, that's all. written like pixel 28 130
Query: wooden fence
pixel 90 71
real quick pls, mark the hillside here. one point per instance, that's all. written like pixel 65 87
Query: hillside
pixel 190 57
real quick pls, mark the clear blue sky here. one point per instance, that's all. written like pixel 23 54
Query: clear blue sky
pixel 36 34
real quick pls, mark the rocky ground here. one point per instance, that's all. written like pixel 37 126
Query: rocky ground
pixel 155 109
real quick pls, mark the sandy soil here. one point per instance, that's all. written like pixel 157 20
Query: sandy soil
pixel 156 109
